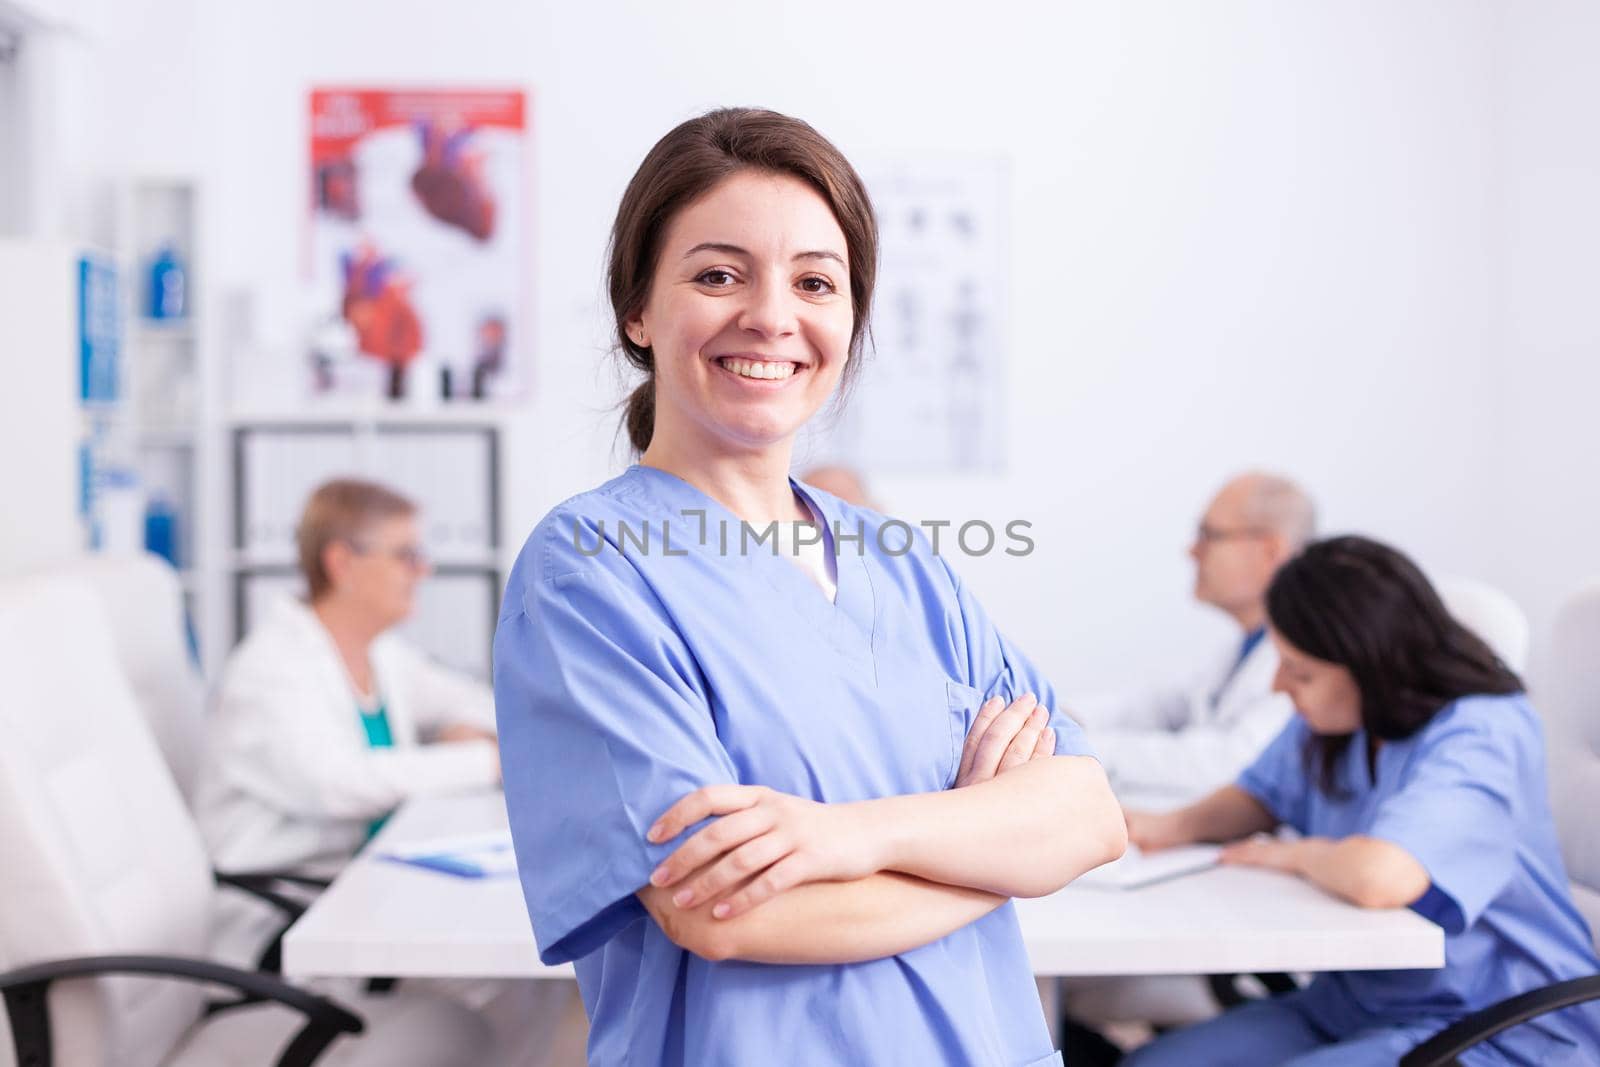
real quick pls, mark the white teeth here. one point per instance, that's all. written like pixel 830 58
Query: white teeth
pixel 747 368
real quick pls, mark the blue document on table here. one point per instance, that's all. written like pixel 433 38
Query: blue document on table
pixel 487 855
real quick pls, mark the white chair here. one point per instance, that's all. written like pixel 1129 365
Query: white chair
pixel 1569 698
pixel 143 600
pixel 144 605
pixel 1490 614
pixel 105 883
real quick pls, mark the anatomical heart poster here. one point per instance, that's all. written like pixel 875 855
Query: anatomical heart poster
pixel 417 246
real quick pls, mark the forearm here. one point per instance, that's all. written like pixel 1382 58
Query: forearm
pixel 1363 870
pixel 1024 833
pixel 1226 815
pixel 369 783
pixel 826 922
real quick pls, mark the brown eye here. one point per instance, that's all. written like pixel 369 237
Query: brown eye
pixel 717 279
pixel 816 285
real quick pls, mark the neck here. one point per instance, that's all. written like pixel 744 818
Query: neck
pixel 352 630
pixel 752 484
pixel 1250 618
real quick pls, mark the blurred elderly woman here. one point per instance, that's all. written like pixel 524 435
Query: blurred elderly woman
pixel 326 720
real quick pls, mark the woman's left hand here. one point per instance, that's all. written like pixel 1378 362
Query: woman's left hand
pixel 764 843
pixel 1264 851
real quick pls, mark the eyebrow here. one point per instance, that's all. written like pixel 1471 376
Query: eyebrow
pixel 735 250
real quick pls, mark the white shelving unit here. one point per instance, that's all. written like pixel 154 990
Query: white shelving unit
pixel 170 425
pixel 448 462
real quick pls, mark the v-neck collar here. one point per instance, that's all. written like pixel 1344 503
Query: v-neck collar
pixel 847 621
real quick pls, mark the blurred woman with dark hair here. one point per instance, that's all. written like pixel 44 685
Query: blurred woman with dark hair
pixel 1415 774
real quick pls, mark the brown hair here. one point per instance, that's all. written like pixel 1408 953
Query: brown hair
pixel 341 510
pixel 685 165
pixel 1366 607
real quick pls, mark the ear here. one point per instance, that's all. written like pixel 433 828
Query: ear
pixel 1277 548
pixel 336 558
pixel 636 332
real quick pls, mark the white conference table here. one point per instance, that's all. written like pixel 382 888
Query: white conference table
pixel 385 918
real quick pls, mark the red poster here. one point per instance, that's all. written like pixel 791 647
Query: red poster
pixel 417 257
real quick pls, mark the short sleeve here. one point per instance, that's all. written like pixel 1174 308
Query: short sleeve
pixel 1278 778
pixel 996 667
pixel 1455 811
pixel 603 725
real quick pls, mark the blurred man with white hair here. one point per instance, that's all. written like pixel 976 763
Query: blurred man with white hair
pixel 1193 736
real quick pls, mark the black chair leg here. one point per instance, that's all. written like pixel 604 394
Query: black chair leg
pixel 1085 1047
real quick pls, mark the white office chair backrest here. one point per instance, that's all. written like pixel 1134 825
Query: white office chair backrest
pixel 100 855
pixel 1490 614
pixel 144 605
pixel 1569 698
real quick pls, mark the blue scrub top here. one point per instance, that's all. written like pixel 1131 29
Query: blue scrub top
pixel 1466 795
pixel 627 678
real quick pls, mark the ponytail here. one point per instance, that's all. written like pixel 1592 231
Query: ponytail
pixel 640 417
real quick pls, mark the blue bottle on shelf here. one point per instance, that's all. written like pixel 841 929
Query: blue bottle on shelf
pixel 161 529
pixel 168 298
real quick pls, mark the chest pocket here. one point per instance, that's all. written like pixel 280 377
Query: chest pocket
pixel 963 703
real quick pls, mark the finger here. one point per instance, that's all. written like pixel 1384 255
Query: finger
pixel 1000 734
pixel 783 875
pixel 1021 748
pixel 1242 853
pixel 1046 745
pixel 991 707
pixel 1002 731
pixel 702 804
pixel 709 844
pixel 732 871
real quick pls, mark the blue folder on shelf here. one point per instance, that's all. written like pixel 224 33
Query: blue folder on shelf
pixel 472 856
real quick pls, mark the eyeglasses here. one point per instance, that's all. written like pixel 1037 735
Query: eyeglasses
pixel 412 556
pixel 1210 535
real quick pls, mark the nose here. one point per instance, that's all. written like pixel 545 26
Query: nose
pixel 769 312
pixel 1278 684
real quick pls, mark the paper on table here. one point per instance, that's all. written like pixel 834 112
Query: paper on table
pixel 1137 868
pixel 487 855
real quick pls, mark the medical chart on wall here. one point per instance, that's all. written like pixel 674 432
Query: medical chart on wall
pixel 931 398
pixel 416 258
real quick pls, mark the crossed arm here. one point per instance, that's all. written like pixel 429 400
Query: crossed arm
pixel 781 879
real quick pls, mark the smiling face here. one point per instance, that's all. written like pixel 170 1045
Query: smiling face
pixel 748 318
pixel 1325 694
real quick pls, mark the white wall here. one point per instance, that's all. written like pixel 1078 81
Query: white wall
pixel 1245 233
pixel 39 421
pixel 1548 440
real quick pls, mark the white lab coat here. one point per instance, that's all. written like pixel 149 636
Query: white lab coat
pixel 290 781
pixel 1191 737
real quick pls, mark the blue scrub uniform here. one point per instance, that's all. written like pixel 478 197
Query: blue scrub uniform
pixel 626 678
pixel 1465 795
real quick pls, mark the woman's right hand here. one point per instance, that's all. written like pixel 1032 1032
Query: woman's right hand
pixel 1156 830
pixel 1005 736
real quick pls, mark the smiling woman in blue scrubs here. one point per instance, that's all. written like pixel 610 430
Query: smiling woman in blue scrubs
pixel 730 776
pixel 1415 771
